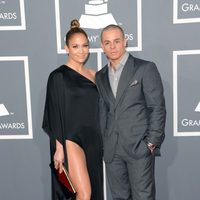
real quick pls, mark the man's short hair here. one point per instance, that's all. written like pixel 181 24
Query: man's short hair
pixel 110 27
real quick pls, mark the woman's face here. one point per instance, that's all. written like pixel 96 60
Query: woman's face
pixel 78 48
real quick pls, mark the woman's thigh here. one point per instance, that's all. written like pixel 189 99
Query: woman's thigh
pixel 77 167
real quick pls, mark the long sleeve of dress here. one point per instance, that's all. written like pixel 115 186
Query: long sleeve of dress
pixel 52 120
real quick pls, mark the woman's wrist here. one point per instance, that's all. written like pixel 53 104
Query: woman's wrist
pixel 58 145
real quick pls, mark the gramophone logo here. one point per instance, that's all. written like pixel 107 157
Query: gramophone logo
pixel 96 15
pixel 3 110
pixel 197 109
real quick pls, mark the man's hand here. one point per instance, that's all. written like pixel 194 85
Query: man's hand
pixel 151 146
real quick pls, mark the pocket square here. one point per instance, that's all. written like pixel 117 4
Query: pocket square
pixel 135 82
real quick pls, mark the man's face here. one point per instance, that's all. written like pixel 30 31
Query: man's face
pixel 113 44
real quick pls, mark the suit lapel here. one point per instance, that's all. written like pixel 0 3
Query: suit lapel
pixel 127 74
pixel 106 85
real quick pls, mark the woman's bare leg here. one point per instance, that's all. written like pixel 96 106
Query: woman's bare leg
pixel 78 170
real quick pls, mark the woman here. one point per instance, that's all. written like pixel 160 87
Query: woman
pixel 71 121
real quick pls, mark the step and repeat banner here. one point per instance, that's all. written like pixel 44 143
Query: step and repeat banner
pixel 32 45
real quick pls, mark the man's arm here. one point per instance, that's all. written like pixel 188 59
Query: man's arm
pixel 102 107
pixel 155 102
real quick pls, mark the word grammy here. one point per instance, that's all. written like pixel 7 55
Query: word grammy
pixel 12 126
pixel 8 16
pixel 95 38
pixel 186 7
pixel 190 122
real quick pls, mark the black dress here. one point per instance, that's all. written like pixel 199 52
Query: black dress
pixel 71 113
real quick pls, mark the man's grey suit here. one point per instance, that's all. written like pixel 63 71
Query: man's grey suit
pixel 136 116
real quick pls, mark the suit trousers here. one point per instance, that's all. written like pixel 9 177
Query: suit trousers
pixel 129 178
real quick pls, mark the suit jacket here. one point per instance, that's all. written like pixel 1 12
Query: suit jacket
pixel 137 114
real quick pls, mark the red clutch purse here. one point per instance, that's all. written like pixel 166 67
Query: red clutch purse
pixel 64 178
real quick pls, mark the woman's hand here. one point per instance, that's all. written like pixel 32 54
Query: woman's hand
pixel 59 156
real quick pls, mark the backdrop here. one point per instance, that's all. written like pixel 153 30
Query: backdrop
pixel 31 46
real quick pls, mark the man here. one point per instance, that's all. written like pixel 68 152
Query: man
pixel 132 109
